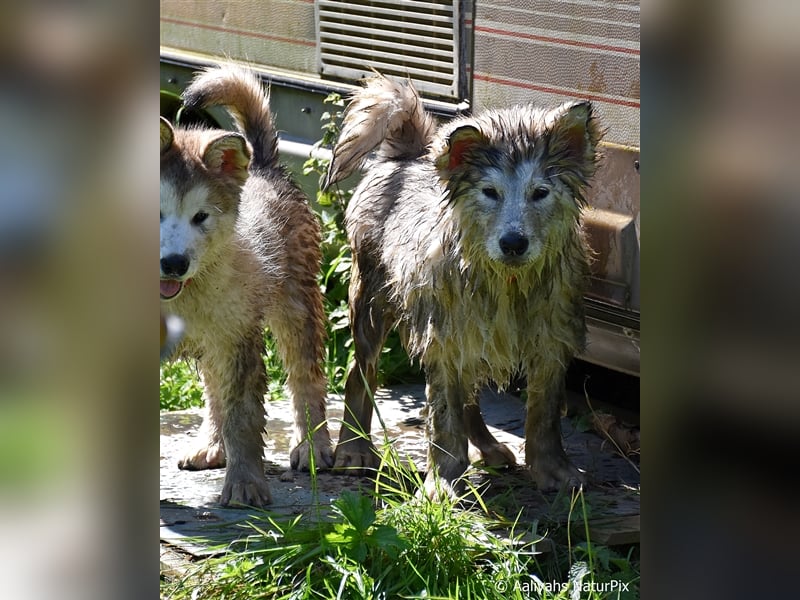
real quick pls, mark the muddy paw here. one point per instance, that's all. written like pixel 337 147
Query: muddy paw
pixel 300 457
pixel 203 457
pixel 252 491
pixel 497 455
pixel 555 473
pixel 440 489
pixel 356 457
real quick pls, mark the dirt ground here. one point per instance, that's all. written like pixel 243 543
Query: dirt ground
pixel 189 499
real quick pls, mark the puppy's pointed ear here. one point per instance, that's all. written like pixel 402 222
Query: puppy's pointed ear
pixel 575 134
pixel 167 135
pixel 229 155
pixel 459 144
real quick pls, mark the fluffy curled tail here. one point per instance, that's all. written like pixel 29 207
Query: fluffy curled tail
pixel 387 115
pixel 241 92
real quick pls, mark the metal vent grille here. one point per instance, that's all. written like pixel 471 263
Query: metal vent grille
pixel 404 38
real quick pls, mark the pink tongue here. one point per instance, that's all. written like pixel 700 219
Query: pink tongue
pixel 169 288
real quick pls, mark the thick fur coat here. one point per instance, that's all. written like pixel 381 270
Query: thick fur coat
pixel 467 237
pixel 240 251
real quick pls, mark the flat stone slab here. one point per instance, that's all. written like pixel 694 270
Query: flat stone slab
pixel 192 520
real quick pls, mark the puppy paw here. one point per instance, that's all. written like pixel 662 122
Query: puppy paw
pixel 438 489
pixel 203 457
pixel 300 457
pixel 497 455
pixel 356 457
pixel 245 491
pixel 552 473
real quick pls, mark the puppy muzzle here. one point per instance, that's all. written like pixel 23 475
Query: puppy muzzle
pixel 173 271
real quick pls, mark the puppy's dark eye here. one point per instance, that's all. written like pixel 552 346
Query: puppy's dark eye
pixel 491 193
pixel 199 218
pixel 539 193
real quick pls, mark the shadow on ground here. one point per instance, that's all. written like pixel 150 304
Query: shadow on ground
pixel 189 499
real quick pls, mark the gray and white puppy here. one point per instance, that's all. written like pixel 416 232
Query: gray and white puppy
pixel 467 238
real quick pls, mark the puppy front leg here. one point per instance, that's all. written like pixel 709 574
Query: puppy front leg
pixel 447 436
pixel 544 452
pixel 243 426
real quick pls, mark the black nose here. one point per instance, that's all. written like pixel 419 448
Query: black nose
pixel 174 265
pixel 513 243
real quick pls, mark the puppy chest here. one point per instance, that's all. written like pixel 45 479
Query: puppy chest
pixel 492 329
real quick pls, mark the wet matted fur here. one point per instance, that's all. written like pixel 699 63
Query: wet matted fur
pixel 240 249
pixel 467 238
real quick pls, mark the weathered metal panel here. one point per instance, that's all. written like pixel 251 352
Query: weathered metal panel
pixel 278 33
pixel 548 51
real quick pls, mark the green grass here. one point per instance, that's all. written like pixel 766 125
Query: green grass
pixel 180 386
pixel 391 542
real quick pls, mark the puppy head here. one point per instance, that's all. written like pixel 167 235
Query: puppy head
pixel 202 174
pixel 516 178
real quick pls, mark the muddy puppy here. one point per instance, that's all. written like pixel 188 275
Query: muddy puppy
pixel 467 238
pixel 240 250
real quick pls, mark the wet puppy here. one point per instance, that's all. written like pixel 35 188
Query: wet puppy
pixel 240 250
pixel 467 237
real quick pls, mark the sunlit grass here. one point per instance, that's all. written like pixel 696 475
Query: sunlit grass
pixel 393 542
